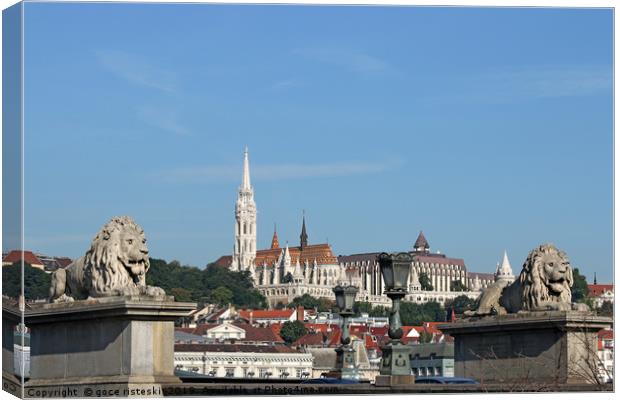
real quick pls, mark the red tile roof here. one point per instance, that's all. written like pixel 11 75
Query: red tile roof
pixel 321 252
pixel 232 348
pixel 252 333
pixel 64 261
pixel 313 339
pixel 266 314
pixel 597 290
pixel 16 255
pixel 602 335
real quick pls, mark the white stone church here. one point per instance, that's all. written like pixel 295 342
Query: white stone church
pixel 281 274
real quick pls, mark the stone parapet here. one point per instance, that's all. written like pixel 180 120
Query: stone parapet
pixel 122 343
pixel 549 346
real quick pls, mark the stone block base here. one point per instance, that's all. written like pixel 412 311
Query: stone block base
pixel 556 347
pixel 108 347
pixel 393 380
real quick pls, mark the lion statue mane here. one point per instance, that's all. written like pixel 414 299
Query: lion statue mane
pixel 115 265
pixel 544 284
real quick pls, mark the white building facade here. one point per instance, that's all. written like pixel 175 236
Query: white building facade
pixel 244 248
pixel 243 361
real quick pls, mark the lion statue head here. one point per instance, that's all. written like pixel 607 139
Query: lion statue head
pixel 118 257
pixel 546 279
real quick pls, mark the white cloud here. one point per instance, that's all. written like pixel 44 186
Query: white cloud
pixel 518 83
pixel 286 84
pixel 226 173
pixel 352 60
pixel 164 119
pixel 136 70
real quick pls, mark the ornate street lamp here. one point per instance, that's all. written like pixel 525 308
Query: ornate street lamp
pixel 395 364
pixel 345 354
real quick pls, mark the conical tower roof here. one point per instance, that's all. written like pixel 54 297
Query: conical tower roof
pixel 303 238
pixel 421 244
pixel 245 182
pixel 274 241
pixel 504 271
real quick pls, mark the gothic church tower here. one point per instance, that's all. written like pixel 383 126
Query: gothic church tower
pixel 244 251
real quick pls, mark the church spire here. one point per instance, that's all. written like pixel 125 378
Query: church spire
pixel 274 241
pixel 245 184
pixel 595 277
pixel 304 236
pixel 244 249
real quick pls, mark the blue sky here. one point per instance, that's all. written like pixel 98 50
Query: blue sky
pixel 488 129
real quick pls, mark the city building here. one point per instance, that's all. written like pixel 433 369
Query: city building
pixel 225 360
pixel 283 273
pixel 233 332
pixel 605 355
pixel 28 257
pixel 43 262
pixel 601 293
pixel 432 359
pixel 442 272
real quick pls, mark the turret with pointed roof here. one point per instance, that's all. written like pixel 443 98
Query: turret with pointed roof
pixel 274 241
pixel 421 245
pixel 303 238
pixel 504 271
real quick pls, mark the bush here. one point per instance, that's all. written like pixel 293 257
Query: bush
pixel 292 330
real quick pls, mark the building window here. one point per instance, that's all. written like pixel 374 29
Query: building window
pixel 245 371
pixel 438 371
pixel 415 372
pixel 230 372
pixel 262 372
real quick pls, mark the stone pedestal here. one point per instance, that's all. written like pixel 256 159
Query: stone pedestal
pixel 120 344
pixel 395 366
pixel 345 364
pixel 547 347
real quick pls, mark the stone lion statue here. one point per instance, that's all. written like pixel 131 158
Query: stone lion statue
pixel 115 265
pixel 544 284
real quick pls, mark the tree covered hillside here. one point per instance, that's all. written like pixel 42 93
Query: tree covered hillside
pixel 215 284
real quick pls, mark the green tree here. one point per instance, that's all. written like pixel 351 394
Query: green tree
pixel 425 282
pixel 36 282
pixel 579 291
pixel 292 330
pixel 221 296
pixel 181 294
pixel 326 305
pixel 425 336
pixel 306 301
pixel 607 309
pixel 462 303
pixel 380 311
pixel 416 314
pixel 457 286
pixel 200 283
pixel 360 307
pixel 309 302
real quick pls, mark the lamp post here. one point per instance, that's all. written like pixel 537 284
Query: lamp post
pixel 395 365
pixel 345 354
